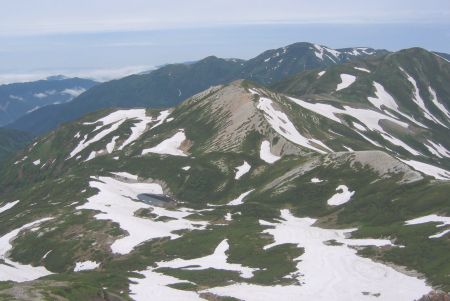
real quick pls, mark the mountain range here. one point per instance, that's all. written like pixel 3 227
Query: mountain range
pixel 16 100
pixel 326 183
pixel 171 84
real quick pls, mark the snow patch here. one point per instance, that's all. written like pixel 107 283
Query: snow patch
pixel 266 155
pixel 242 170
pixel 13 271
pixel 346 81
pixel 362 69
pixel 328 272
pixel 342 197
pixel 169 146
pixel 217 260
pixel 282 125
pixel 8 206
pixel 239 200
pixel 86 265
pixel 117 201
pixel 432 218
pixel 428 169
pixel 111 123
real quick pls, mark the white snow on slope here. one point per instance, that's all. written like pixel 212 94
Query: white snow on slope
pixel 239 199
pixel 91 156
pixel 319 75
pixel 419 101
pixel 169 146
pixel 115 201
pixel 320 51
pixel 362 69
pixel 111 145
pixel 328 272
pixel 428 169
pixel 266 155
pixel 432 218
pixel 37 162
pixel 437 149
pixel 154 286
pixel 218 260
pixel 14 271
pixel 382 98
pixel 161 118
pixel 316 180
pixel 400 143
pixel 346 81
pixel 112 122
pixel 8 206
pixel 371 119
pixel 438 104
pixel 282 125
pixel 86 265
pixel 137 129
pixel 186 168
pixel 341 197
pixel 242 170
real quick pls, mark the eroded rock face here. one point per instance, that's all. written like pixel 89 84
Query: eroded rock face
pixel 436 296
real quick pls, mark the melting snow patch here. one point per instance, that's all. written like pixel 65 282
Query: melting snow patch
pixel 346 81
pixel 362 69
pixel 433 218
pixel 169 146
pixel 8 206
pixel 265 153
pixel 419 101
pixel 282 125
pixel 437 149
pixel 37 162
pixel 242 170
pixel 439 105
pixel 382 98
pixel 186 168
pixel 328 272
pixel 161 118
pixel 239 199
pixel 319 75
pixel 117 201
pixel 316 180
pixel 154 286
pixel 111 145
pixel 431 170
pixel 13 271
pixel 341 197
pixel 86 265
pixel 217 260
pixel 112 122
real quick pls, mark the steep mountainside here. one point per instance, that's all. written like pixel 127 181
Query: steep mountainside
pixel 238 193
pixel 10 141
pixel 171 84
pixel 18 99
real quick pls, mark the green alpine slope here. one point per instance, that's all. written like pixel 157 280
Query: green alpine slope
pixel 238 193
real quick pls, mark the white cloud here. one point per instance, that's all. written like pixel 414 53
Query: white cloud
pixel 40 95
pixel 74 92
pixel 101 75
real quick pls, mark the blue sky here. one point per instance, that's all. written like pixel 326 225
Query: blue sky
pixel 110 38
